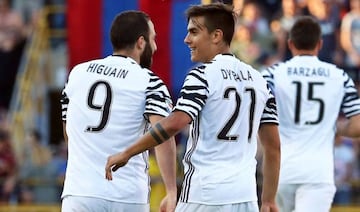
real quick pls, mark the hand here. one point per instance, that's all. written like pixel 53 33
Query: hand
pixel 114 162
pixel 269 207
pixel 168 203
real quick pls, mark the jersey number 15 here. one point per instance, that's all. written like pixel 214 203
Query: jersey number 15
pixel 310 97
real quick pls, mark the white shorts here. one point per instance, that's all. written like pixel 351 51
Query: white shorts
pixel 195 207
pixel 305 197
pixel 91 204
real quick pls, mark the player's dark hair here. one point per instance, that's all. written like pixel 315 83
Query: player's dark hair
pixel 305 33
pixel 217 16
pixel 127 27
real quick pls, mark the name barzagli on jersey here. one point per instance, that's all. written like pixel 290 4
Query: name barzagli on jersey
pixel 308 72
pixel 107 70
pixel 237 76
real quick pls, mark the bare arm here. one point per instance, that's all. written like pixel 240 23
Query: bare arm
pixel 270 140
pixel 159 133
pixel 349 127
pixel 166 159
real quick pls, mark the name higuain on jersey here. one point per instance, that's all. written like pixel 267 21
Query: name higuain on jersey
pixel 107 70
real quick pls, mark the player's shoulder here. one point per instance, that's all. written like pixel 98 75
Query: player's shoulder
pixel 148 71
pixel 221 59
pixel 151 74
pixel 333 67
pixel 201 67
pixel 335 70
pixel 275 67
pixel 225 60
pixel 84 65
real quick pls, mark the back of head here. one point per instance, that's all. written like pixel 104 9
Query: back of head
pixel 305 33
pixel 217 16
pixel 127 27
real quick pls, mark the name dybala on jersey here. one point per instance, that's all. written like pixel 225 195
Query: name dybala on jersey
pixel 227 101
pixel 309 95
pixel 105 104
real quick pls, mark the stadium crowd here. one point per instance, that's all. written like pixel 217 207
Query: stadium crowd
pixel 260 40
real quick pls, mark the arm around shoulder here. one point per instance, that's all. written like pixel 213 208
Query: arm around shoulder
pixel 163 130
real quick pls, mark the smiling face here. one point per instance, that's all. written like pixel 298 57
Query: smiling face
pixel 199 40
pixel 150 48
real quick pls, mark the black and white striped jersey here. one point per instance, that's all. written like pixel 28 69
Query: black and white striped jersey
pixel 310 95
pixel 227 101
pixel 105 105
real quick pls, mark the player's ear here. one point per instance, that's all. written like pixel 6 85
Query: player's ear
pixel 141 43
pixel 217 35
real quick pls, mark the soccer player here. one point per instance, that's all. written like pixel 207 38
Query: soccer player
pixel 107 104
pixel 227 104
pixel 309 95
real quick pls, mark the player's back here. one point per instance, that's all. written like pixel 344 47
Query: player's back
pixel 309 95
pixel 220 158
pixel 105 114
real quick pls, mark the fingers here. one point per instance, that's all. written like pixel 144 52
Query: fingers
pixel 113 163
pixel 108 172
pixel 108 175
pixel 167 204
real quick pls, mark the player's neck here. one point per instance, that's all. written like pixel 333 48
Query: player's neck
pixel 304 53
pixel 224 49
pixel 127 53
pixel 119 55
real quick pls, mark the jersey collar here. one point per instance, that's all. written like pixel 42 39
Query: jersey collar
pixel 125 57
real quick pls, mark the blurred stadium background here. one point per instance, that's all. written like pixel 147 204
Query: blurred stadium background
pixel 61 34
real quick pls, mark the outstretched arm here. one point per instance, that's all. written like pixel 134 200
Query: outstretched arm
pixel 270 140
pixel 159 133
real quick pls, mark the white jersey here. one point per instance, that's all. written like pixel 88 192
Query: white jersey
pixel 105 106
pixel 227 100
pixel 310 94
